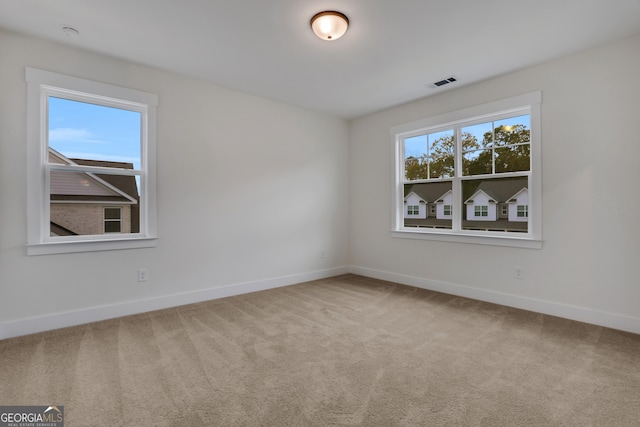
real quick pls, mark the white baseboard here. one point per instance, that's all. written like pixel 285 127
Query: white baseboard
pixel 93 314
pixel 581 314
pixel 77 317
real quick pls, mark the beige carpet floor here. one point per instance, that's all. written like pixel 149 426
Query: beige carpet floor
pixel 345 351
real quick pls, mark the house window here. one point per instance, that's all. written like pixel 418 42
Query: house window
pixel 481 211
pixel 413 210
pixel 485 159
pixel 113 220
pixel 523 211
pixel 89 145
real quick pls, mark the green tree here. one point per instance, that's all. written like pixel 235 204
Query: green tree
pixel 442 154
pixel 507 148
pixel 513 151
pixel 511 147
pixel 415 168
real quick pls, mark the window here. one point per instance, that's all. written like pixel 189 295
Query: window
pixel 113 220
pixel 523 211
pixel 480 163
pixel 91 165
pixel 413 210
pixel 481 211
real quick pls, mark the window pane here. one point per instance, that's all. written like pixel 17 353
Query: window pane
pixel 429 156
pixel 112 227
pixel 415 155
pixel 477 162
pixel 80 202
pixel 112 213
pixel 441 154
pixel 513 158
pixel 478 136
pixel 492 204
pixel 512 137
pixel 425 205
pixel 514 130
pixel 79 130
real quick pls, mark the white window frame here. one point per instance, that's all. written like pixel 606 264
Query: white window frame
pixel 518 105
pixel 41 85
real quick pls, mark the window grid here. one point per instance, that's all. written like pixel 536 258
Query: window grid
pixel 510 150
pixel 112 219
pixel 523 211
pixel 46 237
pixel 482 210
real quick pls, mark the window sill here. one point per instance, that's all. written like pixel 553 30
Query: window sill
pixel 509 241
pixel 90 246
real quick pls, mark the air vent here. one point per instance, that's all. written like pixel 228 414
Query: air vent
pixel 445 81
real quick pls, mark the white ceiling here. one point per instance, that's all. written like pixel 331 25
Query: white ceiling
pixel 392 52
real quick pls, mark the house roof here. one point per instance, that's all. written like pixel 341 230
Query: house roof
pixel 126 184
pixel 59 230
pixel 91 187
pixel 429 191
pixel 500 190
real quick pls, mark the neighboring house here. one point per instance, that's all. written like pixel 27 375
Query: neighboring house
pixel 444 206
pixel 499 199
pixel 415 206
pixel 482 207
pixel 85 203
pixel 519 206
pixel 494 205
pixel 429 200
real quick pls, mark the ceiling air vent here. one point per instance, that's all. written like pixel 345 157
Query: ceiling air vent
pixel 445 81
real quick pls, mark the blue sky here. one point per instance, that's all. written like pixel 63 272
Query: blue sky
pixel 88 131
pixel 417 146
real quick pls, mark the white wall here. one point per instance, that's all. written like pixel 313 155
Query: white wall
pixel 217 150
pixel 299 175
pixel 587 268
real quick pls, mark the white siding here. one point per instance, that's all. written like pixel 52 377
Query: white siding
pixel 521 199
pixel 482 199
pixel 447 199
pixel 413 199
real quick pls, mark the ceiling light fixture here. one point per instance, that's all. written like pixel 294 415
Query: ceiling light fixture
pixel 329 25
pixel 70 31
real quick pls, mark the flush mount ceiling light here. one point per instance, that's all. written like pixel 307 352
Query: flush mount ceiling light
pixel 329 25
pixel 70 31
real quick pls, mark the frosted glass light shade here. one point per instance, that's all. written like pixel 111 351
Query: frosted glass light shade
pixel 329 25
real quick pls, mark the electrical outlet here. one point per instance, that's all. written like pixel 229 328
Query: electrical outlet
pixel 519 273
pixel 143 275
